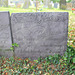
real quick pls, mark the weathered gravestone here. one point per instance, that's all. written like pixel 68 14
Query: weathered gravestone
pixel 73 3
pixel 69 6
pixel 5 3
pixel 55 5
pixel 0 3
pixel 31 3
pixel 46 3
pixel 39 34
pixel 26 4
pixel 5 34
pixel 50 5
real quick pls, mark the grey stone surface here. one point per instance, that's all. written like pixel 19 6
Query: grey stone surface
pixel 39 34
pixel 5 34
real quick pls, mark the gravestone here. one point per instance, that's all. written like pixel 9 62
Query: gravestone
pixel 69 6
pixel 5 34
pixel 50 5
pixel 55 5
pixel 5 3
pixel 46 3
pixel 0 3
pixel 41 2
pixel 34 1
pixel 18 5
pixel 73 3
pixel 39 34
pixel 26 4
pixel 31 3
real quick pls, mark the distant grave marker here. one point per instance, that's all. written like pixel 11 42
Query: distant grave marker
pixel 46 3
pixel 50 5
pixel 0 3
pixel 26 4
pixel 69 6
pixel 55 5
pixel 5 3
pixel 73 3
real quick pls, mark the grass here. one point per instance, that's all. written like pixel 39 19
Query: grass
pixel 51 65
pixel 14 10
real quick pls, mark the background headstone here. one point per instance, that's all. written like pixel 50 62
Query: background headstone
pixel 62 4
pixel 41 2
pixel 46 3
pixel 26 4
pixel 31 3
pixel 73 3
pixel 50 5
pixel 55 5
pixel 34 1
pixel 11 3
pixel 69 6
pixel 5 3
pixel 0 3
pixel 39 34
pixel 18 5
pixel 5 34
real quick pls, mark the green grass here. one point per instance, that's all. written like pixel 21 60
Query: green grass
pixel 14 10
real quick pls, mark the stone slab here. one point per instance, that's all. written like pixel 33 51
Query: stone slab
pixel 5 34
pixel 39 34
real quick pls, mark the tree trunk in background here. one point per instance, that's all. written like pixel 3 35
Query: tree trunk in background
pixel 62 4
